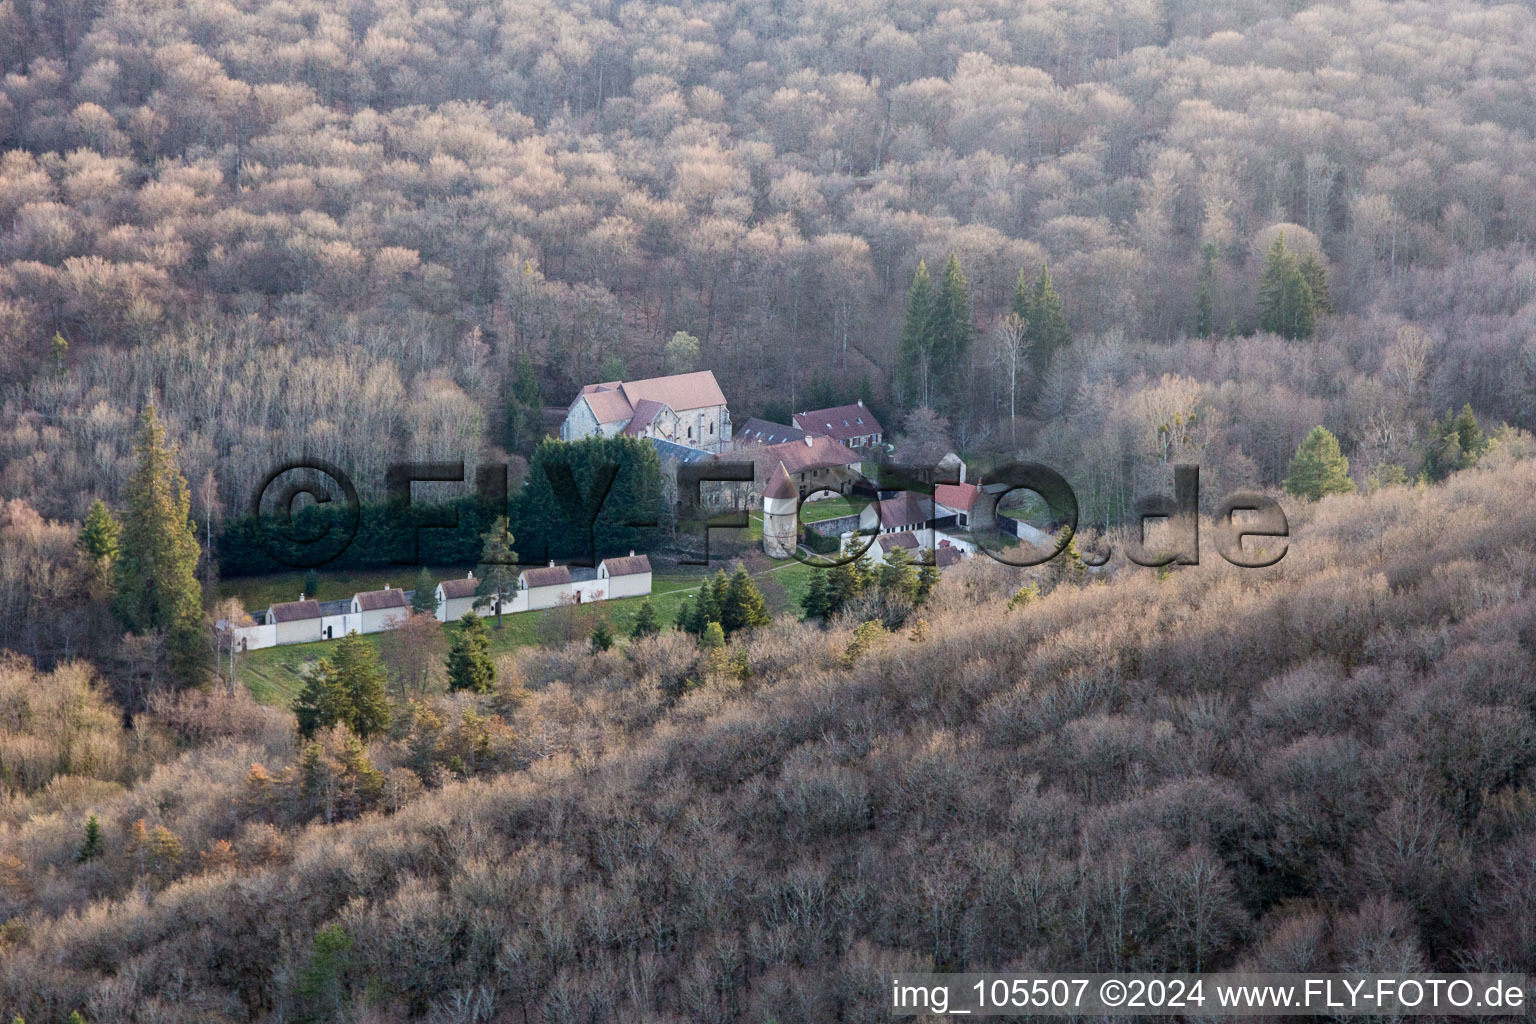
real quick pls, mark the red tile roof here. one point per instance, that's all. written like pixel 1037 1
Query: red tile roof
pixel 960 497
pixel 377 600
pixel 780 485
pixel 629 565
pixel 616 401
pixel 552 576
pixel 295 611
pixel 905 539
pixel 681 391
pixel 646 412
pixel 814 452
pixel 459 588
pixel 841 422
pixel 608 403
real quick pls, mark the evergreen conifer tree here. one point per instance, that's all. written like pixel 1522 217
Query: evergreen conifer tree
pixel 357 664
pixel 1319 467
pixel 91 848
pixel 99 539
pixel 1023 297
pixel 347 688
pixel 896 579
pixel 469 656
pixel 497 568
pixel 647 622
pixel 602 636
pixel 953 331
pixel 1048 331
pixel 915 349
pixel 844 584
pixel 687 615
pixel 743 606
pixel 424 596
pixel 817 602
pixel 1455 442
pixel 927 579
pixel 1316 276
pixel 1286 303
pixel 525 409
pixel 711 602
pixel 99 534
pixel 156 568
pixel 322 701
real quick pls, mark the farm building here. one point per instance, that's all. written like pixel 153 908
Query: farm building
pixel 546 587
pixel 455 597
pixel 377 610
pixel 851 425
pixel 686 408
pixel 629 576
pixel 297 622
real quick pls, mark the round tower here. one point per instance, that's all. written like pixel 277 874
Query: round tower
pixel 781 504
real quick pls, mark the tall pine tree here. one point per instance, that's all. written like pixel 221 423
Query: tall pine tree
pixel 525 409
pixel 817 602
pixel 915 350
pixel 469 656
pixel 743 606
pixel 1286 304
pixel 156 569
pixel 424 594
pixel 1048 331
pixel 100 535
pixel 346 688
pixel 498 567
pixel 647 622
pixel 1204 312
pixel 1316 276
pixel 953 331
pixel 1319 467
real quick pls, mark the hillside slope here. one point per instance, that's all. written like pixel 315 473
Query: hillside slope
pixel 1324 765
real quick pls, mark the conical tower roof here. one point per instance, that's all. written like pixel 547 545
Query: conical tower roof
pixel 780 485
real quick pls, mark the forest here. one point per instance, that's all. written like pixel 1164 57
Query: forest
pixel 369 231
pixel 1291 243
pixel 1326 765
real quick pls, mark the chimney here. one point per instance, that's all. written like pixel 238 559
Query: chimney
pixel 809 442
pixel 301 595
pixel 631 552
pixel 551 563
pixel 386 586
pixel 470 575
pixel 861 403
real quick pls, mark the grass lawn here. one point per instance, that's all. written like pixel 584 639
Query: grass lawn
pixel 257 592
pixel 832 508
pixel 274 675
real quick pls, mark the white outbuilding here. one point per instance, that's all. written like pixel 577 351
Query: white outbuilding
pixel 378 610
pixel 629 576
